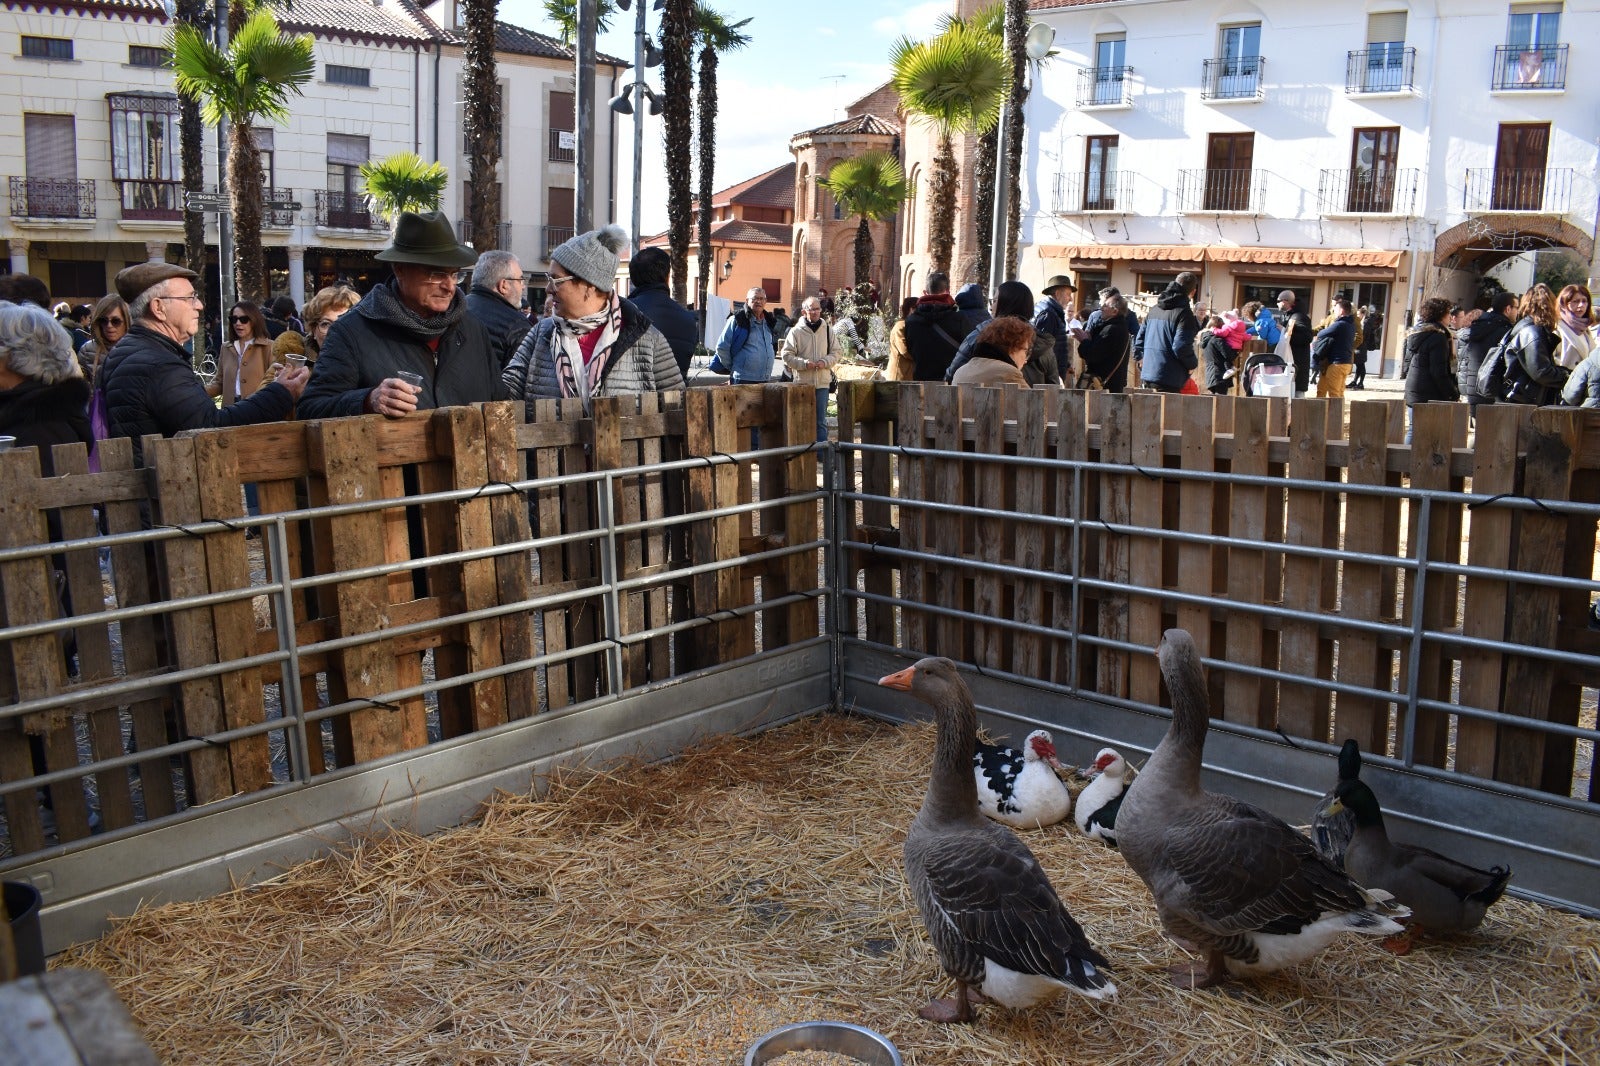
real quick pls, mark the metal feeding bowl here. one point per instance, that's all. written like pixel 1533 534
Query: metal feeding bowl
pixel 858 1042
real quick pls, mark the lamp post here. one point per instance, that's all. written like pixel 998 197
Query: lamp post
pixel 645 54
pixel 1040 38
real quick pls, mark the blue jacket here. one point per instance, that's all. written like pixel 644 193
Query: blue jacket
pixel 1266 327
pixel 1050 318
pixel 676 322
pixel 1337 341
pixel 1166 342
pixel 753 361
pixel 969 301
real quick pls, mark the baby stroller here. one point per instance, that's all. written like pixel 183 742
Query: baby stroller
pixel 1265 374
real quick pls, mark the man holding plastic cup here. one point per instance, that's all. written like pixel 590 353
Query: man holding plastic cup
pixel 414 325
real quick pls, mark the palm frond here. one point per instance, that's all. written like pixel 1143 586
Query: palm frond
pixel 872 185
pixel 405 182
pixel 958 79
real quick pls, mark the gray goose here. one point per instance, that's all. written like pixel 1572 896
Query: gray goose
pixel 995 920
pixel 1232 882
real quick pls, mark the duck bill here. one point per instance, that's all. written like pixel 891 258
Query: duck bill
pixel 900 679
pixel 1331 807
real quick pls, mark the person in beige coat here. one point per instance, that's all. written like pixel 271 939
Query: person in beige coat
pixel 243 359
pixel 810 350
pixel 1003 346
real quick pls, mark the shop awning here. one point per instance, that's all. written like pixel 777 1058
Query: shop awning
pixel 1369 258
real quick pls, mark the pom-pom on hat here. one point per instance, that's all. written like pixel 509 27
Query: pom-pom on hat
pixel 593 256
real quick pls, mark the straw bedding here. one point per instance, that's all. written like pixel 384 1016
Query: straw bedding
pixel 672 914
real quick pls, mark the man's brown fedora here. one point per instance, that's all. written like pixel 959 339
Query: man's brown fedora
pixel 427 239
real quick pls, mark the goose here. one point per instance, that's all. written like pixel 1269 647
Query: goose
pixel 994 918
pixel 1445 896
pixel 1331 832
pixel 1098 804
pixel 1231 882
pixel 1020 788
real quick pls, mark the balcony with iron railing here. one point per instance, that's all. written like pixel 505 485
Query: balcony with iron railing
pixel 52 198
pixel 1546 191
pixel 338 209
pixel 502 233
pixel 1233 78
pixel 150 200
pixel 562 153
pixel 1369 191
pixel 1381 69
pixel 1221 191
pixel 555 236
pixel 1088 192
pixel 1529 68
pixel 1105 87
pixel 273 214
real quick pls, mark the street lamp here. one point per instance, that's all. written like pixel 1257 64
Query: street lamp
pixel 1040 38
pixel 645 54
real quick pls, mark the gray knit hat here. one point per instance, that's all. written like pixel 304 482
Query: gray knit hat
pixel 593 256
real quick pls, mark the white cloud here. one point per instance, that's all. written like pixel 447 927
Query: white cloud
pixel 918 21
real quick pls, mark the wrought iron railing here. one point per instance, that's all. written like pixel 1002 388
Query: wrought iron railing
pixel 1104 86
pixel 1241 191
pixel 1381 69
pixel 1089 191
pixel 1233 78
pixel 1524 67
pixel 560 153
pixel 337 209
pixel 52 197
pixel 502 233
pixel 1547 191
pixel 145 200
pixel 555 235
pixel 277 217
pixel 1374 191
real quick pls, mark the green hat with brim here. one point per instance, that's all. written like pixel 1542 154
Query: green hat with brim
pixel 427 239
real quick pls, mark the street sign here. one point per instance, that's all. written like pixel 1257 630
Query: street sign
pixel 283 205
pixel 205 201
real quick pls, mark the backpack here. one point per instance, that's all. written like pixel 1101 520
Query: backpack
pixel 1492 371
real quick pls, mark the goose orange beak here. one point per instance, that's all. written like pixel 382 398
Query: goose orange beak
pixel 900 679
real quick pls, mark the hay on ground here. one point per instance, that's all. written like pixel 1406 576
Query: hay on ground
pixel 672 914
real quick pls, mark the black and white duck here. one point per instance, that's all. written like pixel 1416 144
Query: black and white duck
pixel 1020 788
pixel 1331 832
pixel 1445 896
pixel 1232 882
pixel 1098 804
pixel 995 920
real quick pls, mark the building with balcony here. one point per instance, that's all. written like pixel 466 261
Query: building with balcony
pixel 89 139
pixel 1390 151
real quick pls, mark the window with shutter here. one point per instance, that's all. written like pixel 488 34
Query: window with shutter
pixel 51 146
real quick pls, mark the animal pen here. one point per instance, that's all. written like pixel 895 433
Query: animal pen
pixel 431 609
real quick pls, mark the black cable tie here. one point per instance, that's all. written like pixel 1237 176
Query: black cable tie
pixel 384 704
pixel 1497 497
pixel 205 740
pixel 1146 473
pixel 1287 739
pixel 492 484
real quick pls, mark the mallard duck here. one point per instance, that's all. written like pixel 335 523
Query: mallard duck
pixel 1231 882
pixel 1020 788
pixel 1331 832
pixel 995 920
pixel 1098 804
pixel 1445 896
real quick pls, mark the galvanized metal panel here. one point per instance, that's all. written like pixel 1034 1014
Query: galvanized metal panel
pixel 1554 850
pixel 252 838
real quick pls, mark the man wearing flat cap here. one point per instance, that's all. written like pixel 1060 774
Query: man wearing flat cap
pixel 416 323
pixel 150 386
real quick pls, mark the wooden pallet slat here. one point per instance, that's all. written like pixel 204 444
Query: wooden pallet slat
pixel 1304 711
pixel 988 482
pixel 1116 563
pixel 1432 440
pixel 1247 694
pixel 947 532
pixel 1362 718
pixel 1029 537
pixel 1146 500
pixel 915 481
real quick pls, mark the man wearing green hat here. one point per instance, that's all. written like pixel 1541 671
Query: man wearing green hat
pixel 415 324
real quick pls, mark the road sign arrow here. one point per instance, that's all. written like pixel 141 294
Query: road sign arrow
pixel 205 201
pixel 283 205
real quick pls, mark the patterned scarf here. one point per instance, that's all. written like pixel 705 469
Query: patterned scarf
pixel 575 378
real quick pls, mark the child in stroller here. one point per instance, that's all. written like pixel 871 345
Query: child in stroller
pixel 1258 364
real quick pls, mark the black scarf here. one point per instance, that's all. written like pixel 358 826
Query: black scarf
pixel 386 306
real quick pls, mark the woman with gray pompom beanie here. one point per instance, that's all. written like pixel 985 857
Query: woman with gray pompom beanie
pixel 597 343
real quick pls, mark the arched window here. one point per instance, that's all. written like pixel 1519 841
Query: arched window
pixel 914 191
pixel 803 191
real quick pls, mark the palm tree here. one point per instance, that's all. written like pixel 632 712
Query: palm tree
pixel 564 13
pixel 192 161
pixel 678 24
pixel 717 35
pixel 482 119
pixel 871 185
pixel 988 20
pixel 956 81
pixel 1016 34
pixel 404 182
pixel 252 80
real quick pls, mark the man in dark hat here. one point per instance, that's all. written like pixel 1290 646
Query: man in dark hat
pixel 414 324
pixel 150 386
pixel 1050 317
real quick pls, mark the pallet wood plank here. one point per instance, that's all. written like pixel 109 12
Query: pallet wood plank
pixel 915 480
pixel 946 531
pixel 508 519
pixel 1028 537
pixel 713 431
pixel 1245 693
pixel 988 480
pixel 654 544
pixel 1197 417
pixel 547 507
pixel 1116 508
pixel 582 620
pixel 1071 546
pixel 1304 711
pixel 1362 718
pixel 1431 440
pixel 607 453
pixel 1146 495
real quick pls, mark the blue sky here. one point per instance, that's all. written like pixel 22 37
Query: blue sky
pixel 805 63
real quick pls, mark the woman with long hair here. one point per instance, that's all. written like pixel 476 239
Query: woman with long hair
pixel 900 367
pixel 243 360
pixel 108 323
pixel 1576 325
pixel 1530 373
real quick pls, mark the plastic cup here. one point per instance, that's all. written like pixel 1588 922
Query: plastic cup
pixel 295 360
pixel 7 443
pixel 410 377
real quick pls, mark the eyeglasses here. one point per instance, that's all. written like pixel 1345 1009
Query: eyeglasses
pixel 441 275
pixel 237 318
pixel 110 321
pixel 192 297
pixel 554 281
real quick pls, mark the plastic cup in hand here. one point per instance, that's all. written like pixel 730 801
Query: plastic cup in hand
pixel 295 361
pixel 412 378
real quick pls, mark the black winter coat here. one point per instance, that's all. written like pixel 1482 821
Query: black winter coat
pixel 505 325
pixel 933 333
pixel 1050 318
pixel 1107 352
pixel 1482 336
pixel 1538 378
pixel 1426 366
pixel 42 416
pixel 151 388
pixel 674 321
pixel 1219 356
pixel 369 344
pixel 1166 341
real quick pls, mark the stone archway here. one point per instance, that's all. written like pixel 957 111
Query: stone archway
pixel 1484 241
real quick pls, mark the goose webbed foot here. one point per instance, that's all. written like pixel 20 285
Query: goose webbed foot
pixel 956 1008
pixel 1402 943
pixel 1213 971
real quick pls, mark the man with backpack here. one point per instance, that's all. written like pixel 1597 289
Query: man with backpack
pixel 746 347
pixel 1481 338
pixel 935 329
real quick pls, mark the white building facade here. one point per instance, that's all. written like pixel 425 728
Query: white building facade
pixel 89 139
pixel 1383 149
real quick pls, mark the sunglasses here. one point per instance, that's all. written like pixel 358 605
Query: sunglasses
pixel 109 321
pixel 237 318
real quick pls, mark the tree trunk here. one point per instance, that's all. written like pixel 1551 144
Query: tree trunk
pixel 707 156
pixel 244 191
pixel 1016 44
pixel 191 160
pixel 983 173
pixel 677 79
pixel 863 251
pixel 942 205
pixel 482 90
